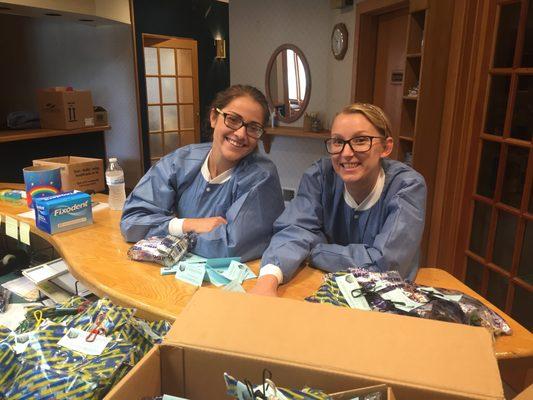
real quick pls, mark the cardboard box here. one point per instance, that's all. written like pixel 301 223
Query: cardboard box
pixel 60 108
pixel 78 173
pixel 155 375
pixel 330 348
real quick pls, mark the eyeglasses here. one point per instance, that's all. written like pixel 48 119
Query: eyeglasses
pixel 358 144
pixel 234 121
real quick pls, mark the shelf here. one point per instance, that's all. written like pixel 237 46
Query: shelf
pixel 407 138
pixel 291 132
pixel 26 134
pixel 411 98
pixel 414 55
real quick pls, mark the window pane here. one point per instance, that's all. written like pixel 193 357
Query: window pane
pixel 186 117
pixel 154 118
pixel 488 168
pixel 474 275
pixel 504 240
pixel 172 141
pixel 522 125
pixel 185 90
pixel 150 61
pixel 525 265
pixel 168 64
pixel 480 228
pixel 515 175
pixel 527 53
pixel 156 145
pixel 506 39
pixel 184 62
pixel 187 138
pixel 168 87
pixel 497 289
pixel 499 91
pixel 170 118
pixel 521 310
pixel 152 90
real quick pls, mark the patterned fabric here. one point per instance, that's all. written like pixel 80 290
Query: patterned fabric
pixel 439 306
pixel 34 366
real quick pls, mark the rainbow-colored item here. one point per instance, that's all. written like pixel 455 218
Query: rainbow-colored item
pixel 41 181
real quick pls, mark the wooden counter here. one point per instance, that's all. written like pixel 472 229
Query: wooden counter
pixel 97 255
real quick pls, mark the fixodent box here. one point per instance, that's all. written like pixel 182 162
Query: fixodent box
pixel 62 212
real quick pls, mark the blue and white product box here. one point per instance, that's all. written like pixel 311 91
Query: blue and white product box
pixel 63 212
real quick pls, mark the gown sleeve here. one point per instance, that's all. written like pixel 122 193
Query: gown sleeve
pixel 150 206
pixel 396 245
pixel 299 228
pixel 250 219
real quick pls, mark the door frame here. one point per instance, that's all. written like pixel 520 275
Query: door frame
pixel 365 42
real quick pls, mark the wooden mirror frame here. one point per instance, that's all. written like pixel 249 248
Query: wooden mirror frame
pixel 307 75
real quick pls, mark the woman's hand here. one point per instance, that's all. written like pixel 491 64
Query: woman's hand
pixel 202 225
pixel 266 285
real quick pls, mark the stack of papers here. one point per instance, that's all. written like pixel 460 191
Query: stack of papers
pixel 54 280
pixel 226 272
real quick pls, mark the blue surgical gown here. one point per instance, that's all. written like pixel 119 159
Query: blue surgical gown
pixel 250 200
pixel 319 225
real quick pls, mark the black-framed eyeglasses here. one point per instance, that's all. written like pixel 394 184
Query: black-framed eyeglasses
pixel 234 121
pixel 358 144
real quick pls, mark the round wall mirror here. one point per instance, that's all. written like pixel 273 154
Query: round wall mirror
pixel 288 83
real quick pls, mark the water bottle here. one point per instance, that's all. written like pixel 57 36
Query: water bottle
pixel 114 177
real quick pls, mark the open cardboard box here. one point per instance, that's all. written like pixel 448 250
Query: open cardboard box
pixel 78 173
pixel 303 344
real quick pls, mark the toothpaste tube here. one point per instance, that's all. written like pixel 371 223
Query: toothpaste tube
pixel 62 212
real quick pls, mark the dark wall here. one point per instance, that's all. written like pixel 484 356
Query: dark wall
pixel 202 20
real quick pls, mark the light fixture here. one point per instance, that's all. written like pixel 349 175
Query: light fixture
pixel 221 49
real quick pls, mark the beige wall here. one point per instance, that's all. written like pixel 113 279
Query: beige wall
pixel 257 28
pixel 44 52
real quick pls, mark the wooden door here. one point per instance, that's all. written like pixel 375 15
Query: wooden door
pixel 496 254
pixel 390 60
pixel 172 97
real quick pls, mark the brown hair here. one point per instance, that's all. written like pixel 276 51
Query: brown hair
pixel 373 113
pixel 226 96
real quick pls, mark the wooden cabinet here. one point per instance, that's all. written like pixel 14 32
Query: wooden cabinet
pixel 428 41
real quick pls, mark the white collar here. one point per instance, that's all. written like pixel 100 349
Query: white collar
pixel 222 178
pixel 372 197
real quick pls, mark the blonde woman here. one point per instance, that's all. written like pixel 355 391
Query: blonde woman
pixel 355 208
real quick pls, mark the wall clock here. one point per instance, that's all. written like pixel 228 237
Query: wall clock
pixel 339 41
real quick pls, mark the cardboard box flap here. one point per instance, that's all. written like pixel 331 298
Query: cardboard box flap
pixel 387 348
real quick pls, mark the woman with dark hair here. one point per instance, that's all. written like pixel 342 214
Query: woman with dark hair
pixel 223 191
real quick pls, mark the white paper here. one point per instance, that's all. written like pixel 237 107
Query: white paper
pixel 14 314
pixel 31 214
pixel 23 287
pixel 398 295
pixel 28 214
pixel 70 284
pixel 12 226
pixel 79 343
pixel 347 283
pixel 46 271
pixel 24 231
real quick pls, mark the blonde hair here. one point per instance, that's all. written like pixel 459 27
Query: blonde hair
pixel 373 113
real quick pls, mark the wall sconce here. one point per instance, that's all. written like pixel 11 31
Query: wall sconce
pixel 221 49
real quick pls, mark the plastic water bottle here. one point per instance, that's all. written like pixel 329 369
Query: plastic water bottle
pixel 114 177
